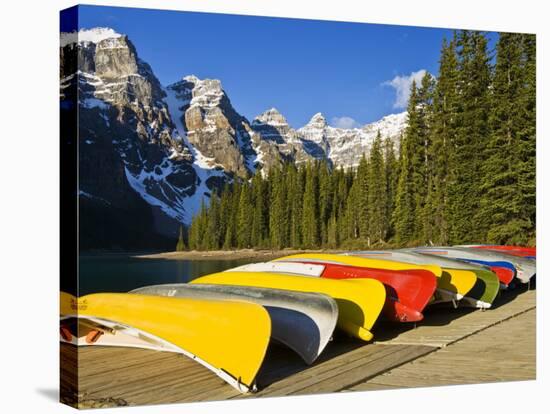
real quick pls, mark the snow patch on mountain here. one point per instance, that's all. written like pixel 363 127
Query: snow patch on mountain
pixel 141 184
pixel 94 103
pixel 204 167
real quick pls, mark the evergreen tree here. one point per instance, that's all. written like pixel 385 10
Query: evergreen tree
pixel 212 236
pixel 180 246
pixel 501 204
pixel 339 200
pixel 310 210
pixel 230 239
pixel 528 135
pixel 423 163
pixel 192 234
pixel 442 135
pixel 376 196
pixel 278 213
pixel 350 219
pixel 243 219
pixel 391 175
pixel 260 212
pixel 295 193
pixel 225 213
pixel 325 200
pixel 332 233
pixel 465 176
pixel 201 227
pixel 361 200
pixel 404 215
pixel 341 188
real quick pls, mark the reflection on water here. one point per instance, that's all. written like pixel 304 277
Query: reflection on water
pixel 123 273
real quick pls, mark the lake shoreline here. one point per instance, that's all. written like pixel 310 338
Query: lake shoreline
pixel 263 255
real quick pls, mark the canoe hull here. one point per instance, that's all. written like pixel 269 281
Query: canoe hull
pixel 302 321
pixel 504 274
pixel 357 261
pixel 454 278
pixel 520 251
pixel 195 327
pixel 525 268
pixel 358 306
pixel 484 292
pixel 407 291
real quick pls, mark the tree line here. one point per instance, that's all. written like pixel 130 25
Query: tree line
pixel 464 170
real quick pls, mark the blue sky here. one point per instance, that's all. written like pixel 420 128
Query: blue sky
pixel 300 67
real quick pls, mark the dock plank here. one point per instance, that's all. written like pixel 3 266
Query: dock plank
pixel 503 352
pixel 442 327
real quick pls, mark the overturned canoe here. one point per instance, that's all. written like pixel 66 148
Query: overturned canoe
pixel 450 287
pixel 407 291
pixel 521 251
pixel 302 321
pixel 291 268
pixel 356 261
pixel 359 304
pixel 485 284
pixel 524 268
pixel 456 280
pixel 196 327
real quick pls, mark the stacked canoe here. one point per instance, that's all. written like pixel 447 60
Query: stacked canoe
pixel 225 321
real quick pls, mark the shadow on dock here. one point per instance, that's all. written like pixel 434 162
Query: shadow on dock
pixel 443 314
pixel 280 362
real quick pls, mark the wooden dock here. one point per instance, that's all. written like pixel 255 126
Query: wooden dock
pixel 451 346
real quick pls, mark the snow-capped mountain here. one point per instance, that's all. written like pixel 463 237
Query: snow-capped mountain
pixel 318 140
pixel 151 154
pixel 275 141
pixel 345 147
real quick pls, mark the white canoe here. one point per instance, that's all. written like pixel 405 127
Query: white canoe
pixel 302 321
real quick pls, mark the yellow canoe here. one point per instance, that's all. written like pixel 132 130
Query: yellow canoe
pixel 359 301
pixel 229 338
pixel 451 283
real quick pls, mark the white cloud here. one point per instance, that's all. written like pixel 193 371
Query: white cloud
pixel 402 86
pixel 344 122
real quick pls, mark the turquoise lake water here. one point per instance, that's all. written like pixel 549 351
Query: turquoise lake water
pixel 124 273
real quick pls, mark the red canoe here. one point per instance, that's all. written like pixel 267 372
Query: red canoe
pixel 520 251
pixel 504 274
pixel 407 291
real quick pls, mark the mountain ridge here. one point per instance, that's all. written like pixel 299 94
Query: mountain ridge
pixel 174 145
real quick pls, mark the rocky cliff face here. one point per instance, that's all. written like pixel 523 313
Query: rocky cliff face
pixel 275 141
pixel 212 126
pixel 149 155
pixel 131 162
pixel 345 147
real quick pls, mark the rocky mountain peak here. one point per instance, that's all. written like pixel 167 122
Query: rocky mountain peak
pixel 390 126
pixel 318 121
pixel 94 35
pixel 191 79
pixel 271 117
pixel 128 143
pixel 314 136
pixel 220 136
pixel 205 92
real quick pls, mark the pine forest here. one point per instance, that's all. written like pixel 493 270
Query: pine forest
pixel 463 172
